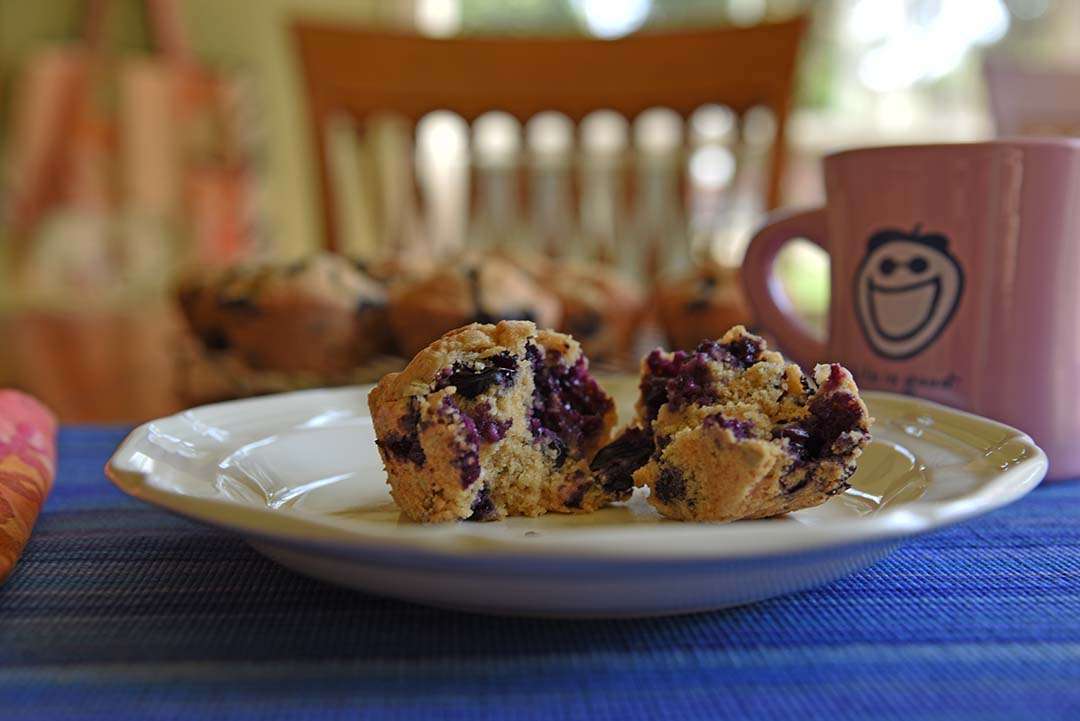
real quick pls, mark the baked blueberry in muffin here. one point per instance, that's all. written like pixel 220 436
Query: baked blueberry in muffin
pixel 469 290
pixel 493 420
pixel 731 431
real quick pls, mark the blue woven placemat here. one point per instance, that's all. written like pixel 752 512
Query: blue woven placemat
pixel 119 611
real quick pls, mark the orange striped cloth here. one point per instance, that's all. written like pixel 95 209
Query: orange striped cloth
pixel 27 467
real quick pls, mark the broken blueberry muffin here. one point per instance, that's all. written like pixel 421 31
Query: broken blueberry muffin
pixel 730 431
pixel 492 421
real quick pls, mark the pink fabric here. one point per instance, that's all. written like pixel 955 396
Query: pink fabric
pixel 27 468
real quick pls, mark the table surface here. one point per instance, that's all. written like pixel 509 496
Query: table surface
pixel 118 610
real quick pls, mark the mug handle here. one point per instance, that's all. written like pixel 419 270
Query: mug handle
pixel 769 301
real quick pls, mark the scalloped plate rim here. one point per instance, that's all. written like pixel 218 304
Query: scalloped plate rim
pixel 373 542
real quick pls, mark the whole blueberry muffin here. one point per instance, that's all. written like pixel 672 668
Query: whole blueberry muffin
pixel 490 421
pixel 731 431
pixel 601 307
pixel 390 270
pixel 702 303
pixel 319 315
pixel 470 290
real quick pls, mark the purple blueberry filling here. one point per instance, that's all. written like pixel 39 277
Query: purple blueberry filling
pixel 822 434
pixel 745 350
pixel 662 442
pixel 483 508
pixel 713 350
pixel 468 460
pixel 661 368
pixel 831 416
pixel 470 382
pixel 615 463
pixel 577 494
pixel 683 378
pixel 405 446
pixel 561 451
pixel 741 429
pixel 799 440
pixel 679 379
pixel 547 438
pixel 670 486
pixel 694 383
pixel 489 428
pixel 741 353
pixel 568 406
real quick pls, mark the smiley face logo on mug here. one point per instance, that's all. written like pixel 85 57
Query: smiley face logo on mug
pixel 907 289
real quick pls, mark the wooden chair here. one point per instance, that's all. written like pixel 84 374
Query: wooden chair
pixel 361 72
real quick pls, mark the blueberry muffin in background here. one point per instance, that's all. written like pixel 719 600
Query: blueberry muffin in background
pixel 731 431
pixel 204 377
pixel 601 307
pixel 467 290
pixel 492 421
pixel 702 303
pixel 389 270
pixel 309 322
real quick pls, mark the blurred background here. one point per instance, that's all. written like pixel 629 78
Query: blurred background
pixel 171 170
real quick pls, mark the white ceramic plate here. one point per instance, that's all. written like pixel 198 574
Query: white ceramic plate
pixel 299 477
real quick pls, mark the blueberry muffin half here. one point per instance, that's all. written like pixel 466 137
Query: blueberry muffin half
pixel 318 315
pixel 731 431
pixel 490 421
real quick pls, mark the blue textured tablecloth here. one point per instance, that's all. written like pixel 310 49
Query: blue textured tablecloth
pixel 118 610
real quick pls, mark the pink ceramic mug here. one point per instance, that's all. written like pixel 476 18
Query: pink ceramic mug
pixel 955 277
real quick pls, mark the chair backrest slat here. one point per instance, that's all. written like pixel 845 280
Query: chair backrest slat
pixel 364 72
